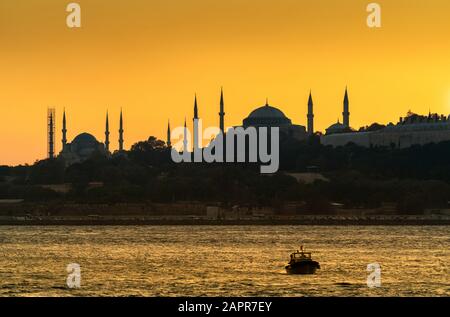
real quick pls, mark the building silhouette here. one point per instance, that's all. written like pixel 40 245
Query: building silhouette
pixel 270 116
pixel 411 130
pixel 263 116
pixel 85 145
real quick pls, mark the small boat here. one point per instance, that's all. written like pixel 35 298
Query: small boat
pixel 302 263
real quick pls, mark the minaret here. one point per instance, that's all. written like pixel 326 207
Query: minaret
pixel 64 130
pixel 169 144
pixel 121 132
pixel 185 140
pixel 196 128
pixel 107 133
pixel 195 108
pixel 222 113
pixel 310 115
pixel 51 136
pixel 346 113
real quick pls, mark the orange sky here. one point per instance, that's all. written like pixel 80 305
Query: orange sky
pixel 151 56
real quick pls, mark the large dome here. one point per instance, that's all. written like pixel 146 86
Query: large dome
pixel 266 116
pixel 84 145
pixel 85 139
pixel 267 112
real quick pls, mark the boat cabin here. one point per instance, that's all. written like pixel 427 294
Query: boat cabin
pixel 301 256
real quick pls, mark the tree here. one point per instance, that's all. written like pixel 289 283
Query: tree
pixel 50 171
pixel 152 152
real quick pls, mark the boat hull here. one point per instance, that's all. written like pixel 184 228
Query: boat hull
pixel 302 268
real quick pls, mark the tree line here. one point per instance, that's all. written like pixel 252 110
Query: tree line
pixel 413 179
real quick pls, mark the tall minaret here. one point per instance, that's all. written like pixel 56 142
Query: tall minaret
pixel 169 143
pixel 222 113
pixel 121 132
pixel 64 131
pixel 310 115
pixel 107 133
pixel 51 135
pixel 196 127
pixel 195 108
pixel 185 140
pixel 346 113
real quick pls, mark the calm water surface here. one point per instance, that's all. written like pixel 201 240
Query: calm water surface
pixel 222 261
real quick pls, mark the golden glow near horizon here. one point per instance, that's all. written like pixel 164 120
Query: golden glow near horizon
pixel 151 56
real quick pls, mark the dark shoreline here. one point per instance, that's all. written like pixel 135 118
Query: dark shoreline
pixel 203 222
pixel 199 214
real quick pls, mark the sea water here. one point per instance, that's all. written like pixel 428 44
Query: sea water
pixel 223 260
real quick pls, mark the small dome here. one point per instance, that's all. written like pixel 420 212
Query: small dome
pixel 267 116
pixel 337 128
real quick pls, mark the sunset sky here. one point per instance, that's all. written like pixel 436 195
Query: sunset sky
pixel 151 56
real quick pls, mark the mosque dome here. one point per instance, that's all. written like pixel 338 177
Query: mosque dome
pixel 267 116
pixel 337 128
pixel 84 145
pixel 84 139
